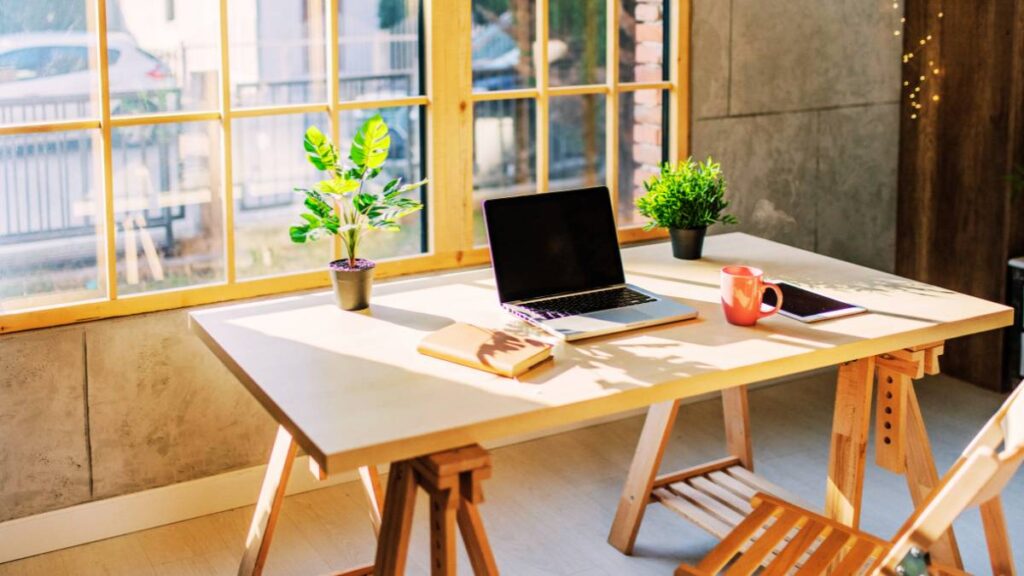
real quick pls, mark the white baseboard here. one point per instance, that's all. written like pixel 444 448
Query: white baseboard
pixel 101 519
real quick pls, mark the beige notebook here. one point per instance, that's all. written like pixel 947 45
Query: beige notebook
pixel 491 350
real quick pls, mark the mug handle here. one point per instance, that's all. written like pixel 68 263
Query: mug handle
pixel 778 299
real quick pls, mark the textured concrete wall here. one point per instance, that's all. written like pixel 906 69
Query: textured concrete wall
pixel 796 98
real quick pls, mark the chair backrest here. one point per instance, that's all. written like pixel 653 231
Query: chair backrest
pixel 979 475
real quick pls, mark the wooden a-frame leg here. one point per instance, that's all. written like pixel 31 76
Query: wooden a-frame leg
pixel 922 477
pixel 998 539
pixel 736 412
pixel 374 495
pixel 268 506
pixel 443 507
pixel 393 544
pixel 471 525
pixel 848 451
pixel 636 493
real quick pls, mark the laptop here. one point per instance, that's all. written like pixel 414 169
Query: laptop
pixel 557 265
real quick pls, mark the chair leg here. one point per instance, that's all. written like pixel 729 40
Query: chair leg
pixel 636 492
pixel 999 551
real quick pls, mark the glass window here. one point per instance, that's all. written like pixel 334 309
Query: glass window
pixel 50 228
pixel 405 160
pixel 269 163
pixel 577 153
pixel 641 148
pixel 379 49
pixel 278 52
pixel 167 205
pixel 46 67
pixel 165 65
pixel 642 41
pixel 576 47
pixel 503 35
pixel 504 154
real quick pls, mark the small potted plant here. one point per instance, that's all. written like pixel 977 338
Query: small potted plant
pixel 686 198
pixel 344 205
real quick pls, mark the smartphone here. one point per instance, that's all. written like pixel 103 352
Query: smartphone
pixel 806 306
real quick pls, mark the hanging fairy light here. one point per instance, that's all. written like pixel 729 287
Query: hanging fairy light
pixel 913 91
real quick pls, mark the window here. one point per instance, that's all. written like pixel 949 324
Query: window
pixel 161 174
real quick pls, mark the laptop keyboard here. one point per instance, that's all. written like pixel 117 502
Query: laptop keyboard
pixel 576 304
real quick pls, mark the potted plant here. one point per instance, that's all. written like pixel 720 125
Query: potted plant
pixel 346 205
pixel 686 198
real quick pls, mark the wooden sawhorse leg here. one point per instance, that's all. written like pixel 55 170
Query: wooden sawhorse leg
pixel 453 481
pixel 642 480
pixel 268 505
pixel 901 440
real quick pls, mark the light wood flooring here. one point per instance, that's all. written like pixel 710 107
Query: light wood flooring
pixel 551 501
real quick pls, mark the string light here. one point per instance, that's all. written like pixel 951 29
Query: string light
pixel 915 102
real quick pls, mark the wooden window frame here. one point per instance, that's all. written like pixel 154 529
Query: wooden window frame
pixel 448 103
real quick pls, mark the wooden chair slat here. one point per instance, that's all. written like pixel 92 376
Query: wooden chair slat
pixel 734 541
pixel 798 548
pixel 857 557
pixel 765 544
pixel 824 554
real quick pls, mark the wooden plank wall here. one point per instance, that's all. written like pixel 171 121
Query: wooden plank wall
pixel 958 222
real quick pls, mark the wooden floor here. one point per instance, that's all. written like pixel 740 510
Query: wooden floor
pixel 551 501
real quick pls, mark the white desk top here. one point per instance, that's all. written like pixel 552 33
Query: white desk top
pixel 353 390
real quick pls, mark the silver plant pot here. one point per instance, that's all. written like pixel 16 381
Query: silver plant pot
pixel 352 286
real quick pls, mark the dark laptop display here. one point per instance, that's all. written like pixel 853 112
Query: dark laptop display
pixel 553 243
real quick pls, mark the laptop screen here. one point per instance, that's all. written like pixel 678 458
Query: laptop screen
pixel 546 244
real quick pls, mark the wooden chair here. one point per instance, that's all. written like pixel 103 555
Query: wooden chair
pixel 784 538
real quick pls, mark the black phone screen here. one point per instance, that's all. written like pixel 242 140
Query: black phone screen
pixel 804 303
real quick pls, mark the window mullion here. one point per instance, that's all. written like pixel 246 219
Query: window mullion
pixel 543 143
pixel 227 178
pixel 679 95
pixel 449 124
pixel 334 89
pixel 110 245
pixel 611 107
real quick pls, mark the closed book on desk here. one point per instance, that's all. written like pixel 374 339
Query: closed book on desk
pixel 491 350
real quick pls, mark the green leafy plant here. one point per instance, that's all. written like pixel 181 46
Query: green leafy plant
pixel 343 205
pixel 686 195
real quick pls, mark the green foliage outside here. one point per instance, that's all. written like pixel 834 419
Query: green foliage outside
pixel 686 195
pixel 340 206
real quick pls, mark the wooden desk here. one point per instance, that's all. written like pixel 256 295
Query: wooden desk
pixel 352 391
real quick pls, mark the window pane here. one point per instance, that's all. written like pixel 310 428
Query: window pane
pixel 405 160
pixel 503 35
pixel 504 154
pixel 167 205
pixel 47 61
pixel 641 148
pixel 641 41
pixel 379 49
pixel 269 162
pixel 166 64
pixel 577 141
pixel 278 52
pixel 576 48
pixel 49 191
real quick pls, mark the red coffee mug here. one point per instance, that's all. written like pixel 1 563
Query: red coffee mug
pixel 742 292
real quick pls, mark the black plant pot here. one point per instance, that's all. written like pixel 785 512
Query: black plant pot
pixel 687 243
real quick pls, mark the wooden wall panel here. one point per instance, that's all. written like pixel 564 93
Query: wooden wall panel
pixel 957 222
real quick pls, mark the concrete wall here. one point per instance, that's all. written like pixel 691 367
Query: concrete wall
pixel 795 97
pixel 798 100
